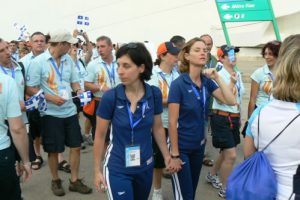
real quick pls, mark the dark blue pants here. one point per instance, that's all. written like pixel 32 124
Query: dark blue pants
pixel 128 186
pixel 186 180
pixel 9 181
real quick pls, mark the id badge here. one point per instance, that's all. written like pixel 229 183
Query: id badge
pixel 63 92
pixel 132 156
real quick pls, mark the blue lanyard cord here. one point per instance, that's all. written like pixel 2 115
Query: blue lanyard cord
pixel 111 73
pixel 196 92
pixel 164 78
pixel 59 73
pixel 271 76
pixel 12 71
pixel 238 86
pixel 132 123
pixel 77 65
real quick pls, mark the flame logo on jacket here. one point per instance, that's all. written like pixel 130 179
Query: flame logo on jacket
pixel 51 81
pixel 101 77
pixel 163 85
pixel 267 86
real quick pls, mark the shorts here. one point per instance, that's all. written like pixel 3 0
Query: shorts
pixel 34 120
pixel 60 132
pixel 159 161
pixel 225 134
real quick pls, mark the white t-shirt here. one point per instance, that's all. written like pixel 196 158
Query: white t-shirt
pixel 284 152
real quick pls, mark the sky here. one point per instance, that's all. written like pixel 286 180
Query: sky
pixel 122 20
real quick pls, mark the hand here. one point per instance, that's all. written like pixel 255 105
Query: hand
pixel 173 165
pixel 27 173
pixel 57 100
pixel 100 182
pixel 210 73
pixel 22 105
pixel 233 77
pixel 79 92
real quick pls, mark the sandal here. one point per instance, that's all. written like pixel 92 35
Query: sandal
pixel 208 162
pixel 37 164
pixel 64 166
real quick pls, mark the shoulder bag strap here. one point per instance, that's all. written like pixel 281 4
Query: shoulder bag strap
pixel 277 134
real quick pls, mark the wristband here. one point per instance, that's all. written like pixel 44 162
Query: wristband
pixel 175 157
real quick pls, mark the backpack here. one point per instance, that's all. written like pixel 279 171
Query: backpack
pixel 254 178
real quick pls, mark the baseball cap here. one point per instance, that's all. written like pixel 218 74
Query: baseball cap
pixel 224 49
pixel 62 35
pixel 167 47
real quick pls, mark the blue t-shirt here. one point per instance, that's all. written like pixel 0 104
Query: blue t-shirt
pixel 192 110
pixel 113 106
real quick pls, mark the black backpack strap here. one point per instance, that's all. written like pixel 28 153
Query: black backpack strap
pixel 83 64
pixel 277 134
pixel 23 73
pixel 22 69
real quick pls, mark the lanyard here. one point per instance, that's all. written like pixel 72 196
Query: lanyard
pixel 132 123
pixel 12 71
pixel 77 65
pixel 59 73
pixel 196 92
pixel 238 86
pixel 164 78
pixel 111 73
pixel 271 76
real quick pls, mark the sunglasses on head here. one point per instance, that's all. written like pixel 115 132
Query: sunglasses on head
pixel 131 45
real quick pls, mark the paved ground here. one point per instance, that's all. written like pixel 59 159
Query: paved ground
pixel 38 188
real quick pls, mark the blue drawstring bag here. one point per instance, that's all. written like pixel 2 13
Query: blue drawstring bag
pixel 254 179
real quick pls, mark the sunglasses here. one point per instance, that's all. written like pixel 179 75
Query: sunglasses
pixel 131 45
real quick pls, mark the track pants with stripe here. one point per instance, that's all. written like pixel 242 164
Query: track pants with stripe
pixel 186 180
pixel 128 186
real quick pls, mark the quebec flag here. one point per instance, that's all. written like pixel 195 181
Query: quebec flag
pixel 37 101
pixel 83 20
pixel 85 98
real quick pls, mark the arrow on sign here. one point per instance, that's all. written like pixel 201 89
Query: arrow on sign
pixel 227 16
pixel 225 6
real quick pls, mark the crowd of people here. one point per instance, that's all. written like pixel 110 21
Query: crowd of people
pixel 147 118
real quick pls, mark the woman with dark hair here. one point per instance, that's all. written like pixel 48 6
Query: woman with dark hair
pixel 134 108
pixel 281 114
pixel 187 101
pixel 263 77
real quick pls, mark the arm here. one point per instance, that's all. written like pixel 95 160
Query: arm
pixel 20 140
pixel 160 138
pixel 222 94
pixel 173 134
pixel 76 88
pixel 249 147
pixel 89 52
pixel 253 95
pixel 57 100
pixel 101 130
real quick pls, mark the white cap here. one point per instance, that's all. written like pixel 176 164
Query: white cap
pixel 62 35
